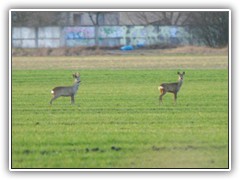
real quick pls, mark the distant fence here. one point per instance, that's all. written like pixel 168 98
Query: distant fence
pixel 107 36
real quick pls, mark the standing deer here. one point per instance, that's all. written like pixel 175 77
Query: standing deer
pixel 67 90
pixel 171 87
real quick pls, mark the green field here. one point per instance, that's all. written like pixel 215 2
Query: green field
pixel 116 121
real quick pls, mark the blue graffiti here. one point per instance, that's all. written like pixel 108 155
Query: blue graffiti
pixel 173 31
pixel 74 35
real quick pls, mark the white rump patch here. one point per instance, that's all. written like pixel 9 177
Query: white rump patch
pixel 52 91
pixel 160 87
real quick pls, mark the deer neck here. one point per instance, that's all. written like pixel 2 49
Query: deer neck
pixel 180 82
pixel 76 85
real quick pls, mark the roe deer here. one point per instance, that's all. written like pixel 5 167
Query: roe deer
pixel 67 90
pixel 171 87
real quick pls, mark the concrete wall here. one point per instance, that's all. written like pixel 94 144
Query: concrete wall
pixel 110 36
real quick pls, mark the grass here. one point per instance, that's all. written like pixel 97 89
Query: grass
pixel 117 122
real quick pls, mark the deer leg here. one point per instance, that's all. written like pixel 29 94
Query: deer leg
pixel 55 97
pixel 72 99
pixel 160 97
pixel 175 98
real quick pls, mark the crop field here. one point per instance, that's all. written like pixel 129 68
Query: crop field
pixel 116 121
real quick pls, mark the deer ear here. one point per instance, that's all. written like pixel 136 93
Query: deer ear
pixel 183 73
pixel 178 72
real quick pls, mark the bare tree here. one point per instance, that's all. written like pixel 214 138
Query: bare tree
pixel 157 18
pixel 97 19
pixel 38 18
pixel 213 27
pixel 102 18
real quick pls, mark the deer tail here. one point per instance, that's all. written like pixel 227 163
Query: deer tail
pixel 160 88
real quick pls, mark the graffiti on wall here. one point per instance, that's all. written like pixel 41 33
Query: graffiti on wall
pixel 79 32
pixel 112 31
pixel 103 36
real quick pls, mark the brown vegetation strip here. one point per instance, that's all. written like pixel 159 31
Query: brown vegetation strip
pixel 121 62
